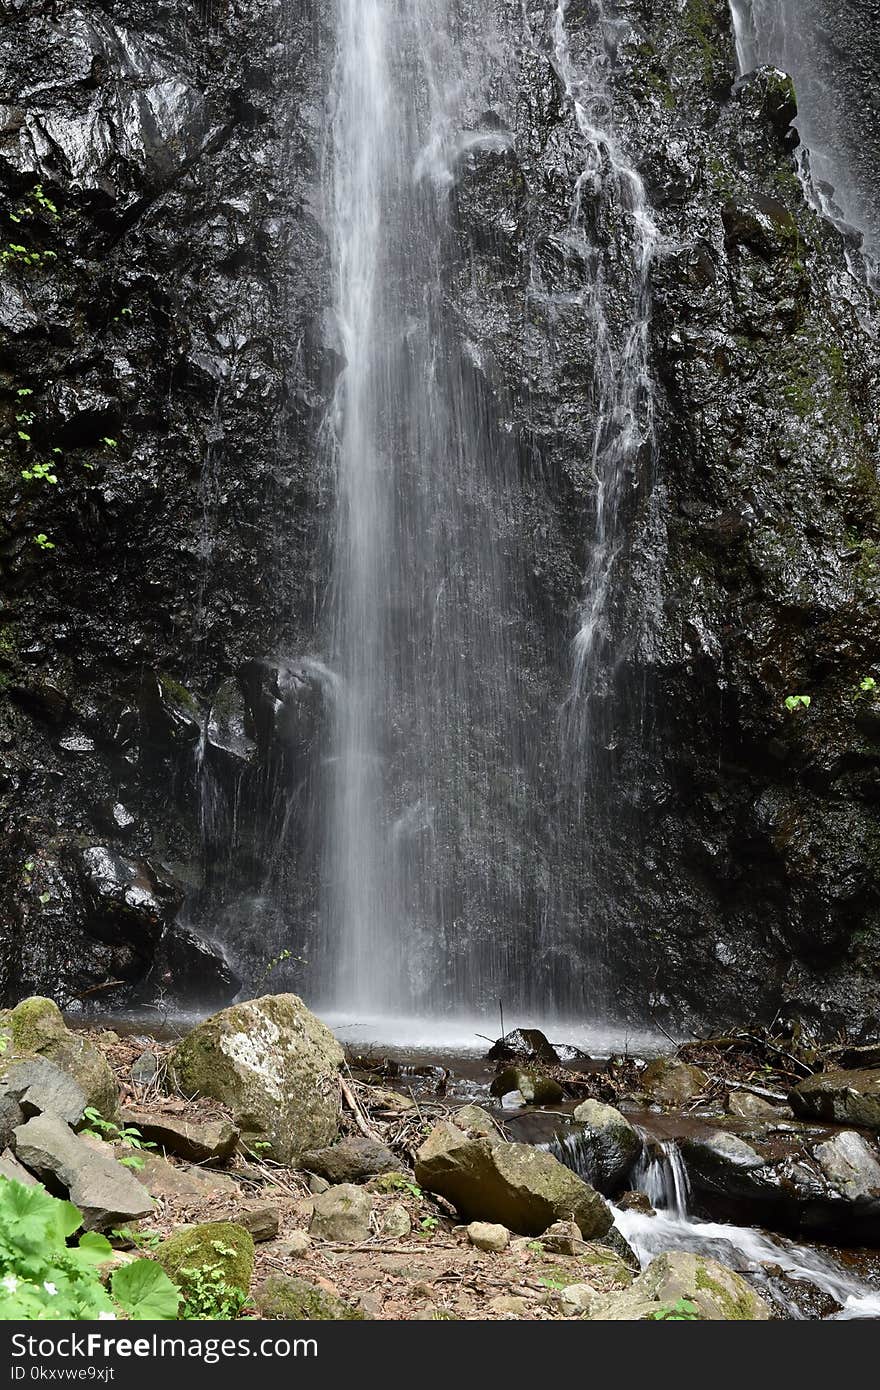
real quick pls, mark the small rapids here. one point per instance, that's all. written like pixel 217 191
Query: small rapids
pixel 662 1176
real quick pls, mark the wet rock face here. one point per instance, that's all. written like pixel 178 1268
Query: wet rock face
pixel 154 328
pixel 169 318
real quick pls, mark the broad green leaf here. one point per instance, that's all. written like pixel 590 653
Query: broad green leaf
pixel 144 1291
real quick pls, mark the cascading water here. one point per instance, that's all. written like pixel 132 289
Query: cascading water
pixel 427 823
pixel 435 893
pixel 778 1266
pixel 818 46
pixel 613 230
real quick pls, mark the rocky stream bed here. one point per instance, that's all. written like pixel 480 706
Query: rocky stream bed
pixel 731 1179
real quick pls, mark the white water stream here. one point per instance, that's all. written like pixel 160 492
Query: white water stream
pixel 663 1179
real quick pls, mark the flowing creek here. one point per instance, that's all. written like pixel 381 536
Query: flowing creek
pixel 805 1281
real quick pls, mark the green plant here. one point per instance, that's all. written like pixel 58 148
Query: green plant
pixel 208 1296
pixel 42 1277
pixel 280 959
pixel 40 473
pixel 683 1310
pixel 867 686
pixel 428 1224
pixel 550 1281
pixel 796 702
pixel 127 1135
pixel 42 540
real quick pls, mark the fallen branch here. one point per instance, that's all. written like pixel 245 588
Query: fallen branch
pixel 360 1118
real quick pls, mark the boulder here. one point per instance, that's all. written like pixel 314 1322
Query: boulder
pixel 199 1141
pixel 128 900
pixel 192 970
pixel 297 1244
pixel 533 1086
pixel 516 1185
pixel 11 1115
pixel 846 1097
pixel 525 1044
pixel 851 1167
pixel 473 1119
pixel 577 1299
pixel 351 1160
pixel 216 1250
pixel 38 1030
pixel 608 1146
pixel 488 1237
pixel 35 1086
pixel 261 1220
pixel 182 1185
pixel 11 1168
pixel 145 1069
pixel 714 1292
pixel 562 1238
pixel 671 1082
pixel 298 1300
pixel 342 1215
pixel 743 1105
pixel 106 1193
pixel 274 1065
pixel 723 1163
pixel 396 1221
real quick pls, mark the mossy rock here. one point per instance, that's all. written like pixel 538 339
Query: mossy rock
pixel 296 1300
pixel 218 1250
pixel 38 1030
pixel 275 1066
pixel 683 1286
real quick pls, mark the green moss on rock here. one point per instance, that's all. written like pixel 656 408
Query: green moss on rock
pixel 218 1252
pixel 38 1030
pixel 297 1300
pixel 275 1065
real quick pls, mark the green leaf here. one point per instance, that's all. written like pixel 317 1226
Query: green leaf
pixel 144 1291
pixel 95 1248
pixel 45 898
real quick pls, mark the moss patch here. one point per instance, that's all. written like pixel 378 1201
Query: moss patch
pixel 296 1300
pixel 217 1253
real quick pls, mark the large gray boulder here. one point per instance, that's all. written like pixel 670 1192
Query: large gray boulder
pixel 106 1193
pixel 275 1066
pixel 607 1145
pixel 523 1188
pixel 846 1097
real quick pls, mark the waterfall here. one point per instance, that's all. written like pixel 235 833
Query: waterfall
pixel 612 228
pixel 426 831
pixel 442 889
pixel 840 161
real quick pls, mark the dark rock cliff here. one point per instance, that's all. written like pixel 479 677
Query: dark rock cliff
pixel 163 302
